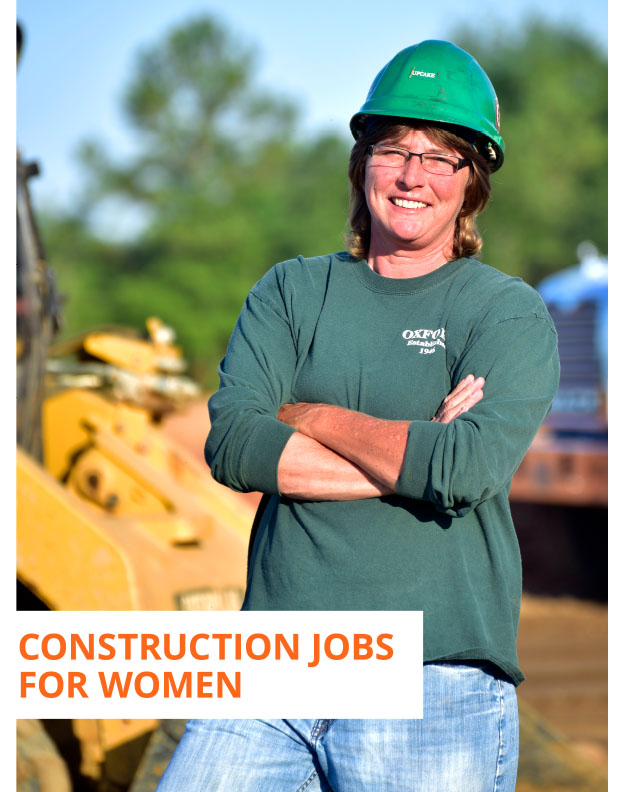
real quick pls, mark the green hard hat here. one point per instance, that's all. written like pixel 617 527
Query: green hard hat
pixel 437 81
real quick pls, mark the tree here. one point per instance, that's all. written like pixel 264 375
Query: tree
pixel 225 189
pixel 551 192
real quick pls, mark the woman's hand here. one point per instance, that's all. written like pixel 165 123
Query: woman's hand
pixel 467 393
pixel 298 415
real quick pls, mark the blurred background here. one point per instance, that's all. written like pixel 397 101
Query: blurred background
pixel 183 149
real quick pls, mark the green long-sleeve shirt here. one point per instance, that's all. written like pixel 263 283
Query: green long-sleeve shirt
pixel 329 329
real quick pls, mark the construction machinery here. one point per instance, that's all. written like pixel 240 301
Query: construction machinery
pixel 118 516
pixel 112 513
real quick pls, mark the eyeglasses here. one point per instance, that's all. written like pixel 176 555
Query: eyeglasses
pixel 396 157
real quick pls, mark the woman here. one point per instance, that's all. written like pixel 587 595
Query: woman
pixel 380 493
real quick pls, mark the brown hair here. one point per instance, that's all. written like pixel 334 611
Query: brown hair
pixel 467 240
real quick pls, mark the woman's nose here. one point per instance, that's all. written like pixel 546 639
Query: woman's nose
pixel 412 172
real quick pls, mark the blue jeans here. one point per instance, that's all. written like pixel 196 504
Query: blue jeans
pixel 467 741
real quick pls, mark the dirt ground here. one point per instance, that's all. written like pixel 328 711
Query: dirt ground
pixel 563 652
pixel 562 640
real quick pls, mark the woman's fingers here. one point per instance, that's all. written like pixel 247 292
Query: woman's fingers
pixel 469 401
pixel 462 385
pixel 462 393
pixel 465 395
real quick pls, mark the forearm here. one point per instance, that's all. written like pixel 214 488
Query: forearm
pixel 309 471
pixel 376 446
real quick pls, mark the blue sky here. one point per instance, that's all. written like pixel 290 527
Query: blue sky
pixel 323 54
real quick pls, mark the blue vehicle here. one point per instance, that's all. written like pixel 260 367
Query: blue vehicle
pixel 559 493
pixel 577 300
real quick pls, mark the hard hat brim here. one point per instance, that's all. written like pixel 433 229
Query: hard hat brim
pixel 477 137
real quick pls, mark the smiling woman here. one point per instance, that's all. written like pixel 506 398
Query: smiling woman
pixel 411 207
pixel 462 169
pixel 413 212
pixel 382 399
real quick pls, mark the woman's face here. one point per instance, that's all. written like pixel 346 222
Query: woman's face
pixel 410 208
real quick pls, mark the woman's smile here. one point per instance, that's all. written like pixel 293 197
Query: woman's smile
pixel 409 204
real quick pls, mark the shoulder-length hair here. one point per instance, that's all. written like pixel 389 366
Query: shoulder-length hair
pixel 467 240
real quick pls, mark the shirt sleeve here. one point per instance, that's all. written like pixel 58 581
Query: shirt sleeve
pixel 458 465
pixel 246 439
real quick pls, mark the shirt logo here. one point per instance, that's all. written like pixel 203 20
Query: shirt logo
pixel 426 340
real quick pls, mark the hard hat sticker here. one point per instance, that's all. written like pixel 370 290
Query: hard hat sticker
pixel 497 115
pixel 420 73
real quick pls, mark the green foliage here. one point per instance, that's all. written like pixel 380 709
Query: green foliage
pixel 551 192
pixel 227 189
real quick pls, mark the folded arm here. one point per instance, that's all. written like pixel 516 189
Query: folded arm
pixel 340 454
pixel 453 464
pixel 248 448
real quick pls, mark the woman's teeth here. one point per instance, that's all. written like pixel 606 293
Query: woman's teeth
pixel 409 204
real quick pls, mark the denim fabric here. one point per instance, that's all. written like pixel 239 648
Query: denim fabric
pixel 467 741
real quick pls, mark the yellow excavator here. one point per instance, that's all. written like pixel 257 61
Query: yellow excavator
pixel 115 515
pixel 112 513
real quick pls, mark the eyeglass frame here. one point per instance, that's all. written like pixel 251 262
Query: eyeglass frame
pixel 462 162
